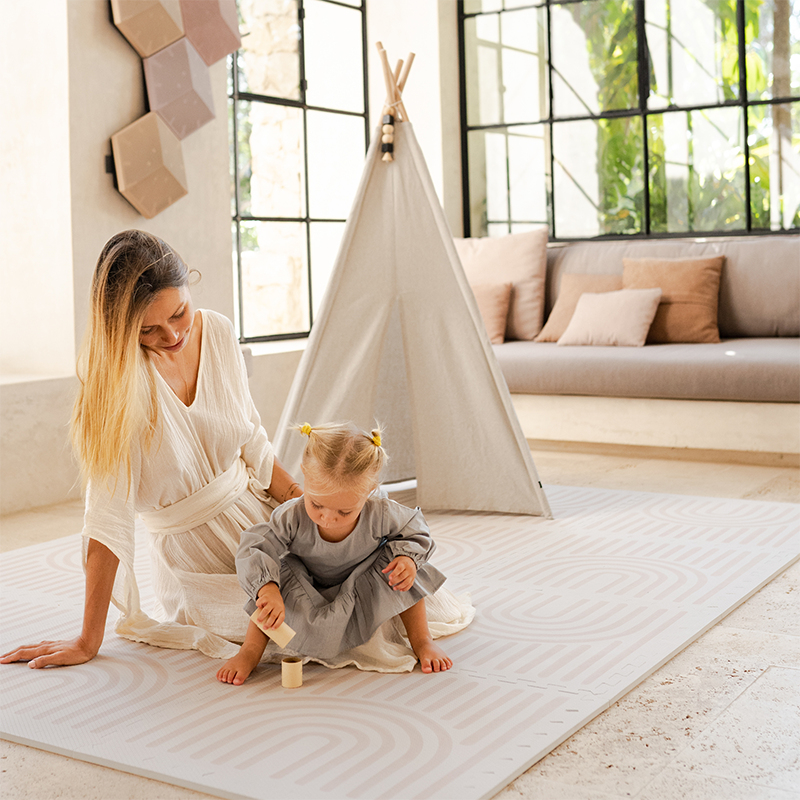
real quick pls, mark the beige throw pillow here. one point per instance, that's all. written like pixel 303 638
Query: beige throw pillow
pixel 493 304
pixel 612 318
pixel 519 259
pixel 572 286
pixel 689 299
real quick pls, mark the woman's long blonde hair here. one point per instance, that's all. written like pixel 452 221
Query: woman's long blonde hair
pixel 117 397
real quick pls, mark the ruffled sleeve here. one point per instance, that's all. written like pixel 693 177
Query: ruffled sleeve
pixel 408 534
pixel 258 560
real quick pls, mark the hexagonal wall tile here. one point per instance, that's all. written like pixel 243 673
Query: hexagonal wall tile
pixel 148 159
pixel 149 25
pixel 179 88
pixel 212 26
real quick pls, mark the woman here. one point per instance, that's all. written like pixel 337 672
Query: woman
pixel 164 427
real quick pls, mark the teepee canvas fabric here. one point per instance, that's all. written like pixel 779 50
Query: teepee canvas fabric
pixel 399 340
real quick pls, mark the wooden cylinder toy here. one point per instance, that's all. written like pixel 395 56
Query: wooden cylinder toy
pixel 291 673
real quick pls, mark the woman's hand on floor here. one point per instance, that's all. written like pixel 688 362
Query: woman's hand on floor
pixel 56 654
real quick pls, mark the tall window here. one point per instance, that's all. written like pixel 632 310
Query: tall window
pixel 298 129
pixel 630 117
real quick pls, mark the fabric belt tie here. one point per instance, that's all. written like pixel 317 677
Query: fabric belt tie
pixel 206 503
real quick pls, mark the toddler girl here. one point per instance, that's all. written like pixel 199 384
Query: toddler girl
pixel 338 561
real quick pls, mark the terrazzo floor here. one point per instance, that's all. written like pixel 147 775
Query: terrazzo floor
pixel 720 720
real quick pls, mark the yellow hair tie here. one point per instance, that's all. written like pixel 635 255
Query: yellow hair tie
pixel 376 440
pixel 306 429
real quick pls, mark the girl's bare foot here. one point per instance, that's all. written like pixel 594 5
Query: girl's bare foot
pixel 432 658
pixel 237 670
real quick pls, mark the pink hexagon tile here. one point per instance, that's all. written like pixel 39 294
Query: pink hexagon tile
pixel 212 26
pixel 179 88
pixel 148 158
pixel 149 25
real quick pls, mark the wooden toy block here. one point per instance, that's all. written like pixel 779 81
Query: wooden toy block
pixel 281 636
pixel 292 673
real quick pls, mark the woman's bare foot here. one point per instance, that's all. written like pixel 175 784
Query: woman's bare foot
pixel 237 670
pixel 432 658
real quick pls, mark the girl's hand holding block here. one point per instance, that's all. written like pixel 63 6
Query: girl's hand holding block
pixel 269 615
pixel 281 635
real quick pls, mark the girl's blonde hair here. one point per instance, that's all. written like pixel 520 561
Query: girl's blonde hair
pixel 117 396
pixel 339 455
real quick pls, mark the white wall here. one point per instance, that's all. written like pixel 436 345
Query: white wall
pixel 429 29
pixel 65 91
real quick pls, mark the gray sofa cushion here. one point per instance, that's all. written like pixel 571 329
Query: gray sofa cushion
pixel 760 286
pixel 757 369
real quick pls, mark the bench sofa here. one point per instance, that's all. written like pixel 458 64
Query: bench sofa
pixel 741 394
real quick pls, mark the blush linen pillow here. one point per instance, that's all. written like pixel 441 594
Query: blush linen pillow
pixel 689 299
pixel 572 286
pixel 519 259
pixel 493 300
pixel 612 318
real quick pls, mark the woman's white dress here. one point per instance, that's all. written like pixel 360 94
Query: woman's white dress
pixel 197 487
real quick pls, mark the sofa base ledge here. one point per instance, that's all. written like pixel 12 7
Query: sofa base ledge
pixel 757 431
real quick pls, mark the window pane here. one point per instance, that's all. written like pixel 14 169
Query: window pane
pixel 772 33
pixel 482 66
pixel 269 59
pixel 475 6
pixel 508 177
pixel 693 50
pixel 274 278
pixel 270 160
pixel 529 173
pixel 333 56
pixel 488 180
pixel 506 67
pixel 774 140
pixel 594 57
pixel 598 177
pixel 325 240
pixel 335 162
pixel 696 171
pixel 525 95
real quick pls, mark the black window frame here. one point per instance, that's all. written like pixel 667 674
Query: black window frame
pixel 234 96
pixel 643 71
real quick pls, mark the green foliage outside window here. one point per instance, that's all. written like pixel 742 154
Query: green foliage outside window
pixel 698 130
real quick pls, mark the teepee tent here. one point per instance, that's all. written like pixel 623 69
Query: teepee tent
pixel 399 339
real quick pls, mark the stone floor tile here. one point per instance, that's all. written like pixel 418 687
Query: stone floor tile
pixel 774 609
pixel 757 739
pixel 532 787
pixel 783 488
pixel 675 784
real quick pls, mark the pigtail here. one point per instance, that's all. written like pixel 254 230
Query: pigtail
pixel 339 454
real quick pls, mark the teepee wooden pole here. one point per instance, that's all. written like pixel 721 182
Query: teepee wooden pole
pixel 404 74
pixel 393 108
pixel 398 68
pixel 393 96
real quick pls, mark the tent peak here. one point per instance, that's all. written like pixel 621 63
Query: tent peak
pixel 393 109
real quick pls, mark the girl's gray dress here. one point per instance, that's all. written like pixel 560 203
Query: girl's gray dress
pixel 335 594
